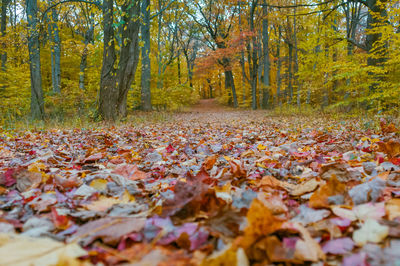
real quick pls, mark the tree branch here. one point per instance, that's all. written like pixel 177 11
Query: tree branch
pixel 95 3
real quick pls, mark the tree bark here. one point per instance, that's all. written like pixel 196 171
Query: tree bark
pixel 253 64
pixel 290 73
pixel 296 58
pixel 108 91
pixel 37 102
pixel 55 51
pixel 129 56
pixel 376 47
pixel 3 27
pixel 278 67
pixel 242 59
pixel 88 38
pixel 266 63
pixel 230 84
pixel 146 68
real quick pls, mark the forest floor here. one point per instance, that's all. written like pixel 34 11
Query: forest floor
pixel 209 186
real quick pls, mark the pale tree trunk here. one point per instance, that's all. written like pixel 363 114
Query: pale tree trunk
pixel 55 44
pixel 290 73
pixel 37 102
pixel 278 67
pixel 88 38
pixel 352 12
pixel 296 58
pixel 325 97
pixel 260 68
pixel 242 59
pixel 146 68
pixel 159 56
pixel 108 91
pixel 266 63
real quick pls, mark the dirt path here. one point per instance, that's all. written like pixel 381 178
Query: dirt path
pixel 209 105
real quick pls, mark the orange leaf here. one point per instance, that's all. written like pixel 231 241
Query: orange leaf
pixel 261 222
pixel 319 199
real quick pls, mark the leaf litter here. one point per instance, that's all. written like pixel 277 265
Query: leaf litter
pixel 203 189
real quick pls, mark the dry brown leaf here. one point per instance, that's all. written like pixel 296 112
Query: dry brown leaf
pixel 130 171
pixel 19 250
pixel 109 229
pixel 210 161
pixel 391 148
pixel 319 199
pixel 392 208
pixel 261 223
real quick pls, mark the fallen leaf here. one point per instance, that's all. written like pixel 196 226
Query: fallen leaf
pixel 392 208
pixel 19 250
pixel 27 180
pixel 130 171
pixel 308 215
pixel 370 231
pixel 338 246
pixel 261 222
pixel 102 204
pixel 391 148
pixel 109 230
pixel 305 187
pixel 320 198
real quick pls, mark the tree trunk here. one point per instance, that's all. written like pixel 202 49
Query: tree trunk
pixel 296 58
pixel 266 63
pixel 230 84
pixel 190 72
pixel 146 68
pixel 179 68
pixel 253 63
pixel 278 67
pixel 242 59
pixel 260 67
pixel 3 27
pixel 210 88
pixel 108 91
pixel 37 102
pixel 89 36
pixel 376 47
pixel 55 51
pixel 129 56
pixel 159 56
pixel 290 73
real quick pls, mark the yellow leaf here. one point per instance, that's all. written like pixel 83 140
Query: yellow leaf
pixel 99 184
pixel 261 147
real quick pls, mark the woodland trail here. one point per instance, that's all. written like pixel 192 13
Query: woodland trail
pixel 209 105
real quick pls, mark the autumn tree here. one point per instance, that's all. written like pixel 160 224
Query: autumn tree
pixel 216 19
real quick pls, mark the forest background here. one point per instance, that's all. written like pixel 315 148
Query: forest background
pixel 90 60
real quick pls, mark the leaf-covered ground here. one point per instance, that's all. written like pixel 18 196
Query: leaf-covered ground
pixel 207 187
